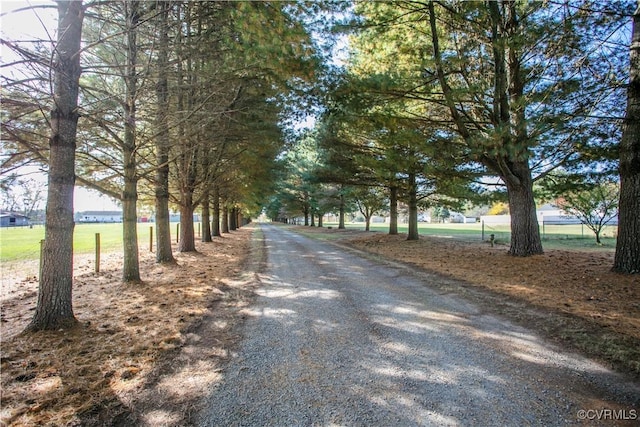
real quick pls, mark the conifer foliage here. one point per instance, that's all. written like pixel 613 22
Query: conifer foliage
pixel 518 89
pixel 180 105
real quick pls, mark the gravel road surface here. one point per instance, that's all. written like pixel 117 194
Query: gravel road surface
pixel 336 339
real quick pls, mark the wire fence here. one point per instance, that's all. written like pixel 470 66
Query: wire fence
pixel 550 231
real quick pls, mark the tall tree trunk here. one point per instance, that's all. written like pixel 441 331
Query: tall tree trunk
pixel 163 226
pixel 188 167
pixel 341 225
pixel 627 257
pixel 393 210
pixel 233 219
pixel 413 208
pixel 225 219
pixel 215 220
pixel 367 223
pixel 187 164
pixel 206 224
pixel 130 267
pixel 305 209
pixel 54 307
pixel 187 241
pixel 525 231
pixel 320 215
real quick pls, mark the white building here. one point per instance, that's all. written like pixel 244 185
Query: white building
pixel 99 216
pixel 546 214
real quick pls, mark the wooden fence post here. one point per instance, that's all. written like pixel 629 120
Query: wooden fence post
pixel 151 239
pixel 97 269
pixel 178 233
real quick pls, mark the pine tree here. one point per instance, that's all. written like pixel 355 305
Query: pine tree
pixel 54 308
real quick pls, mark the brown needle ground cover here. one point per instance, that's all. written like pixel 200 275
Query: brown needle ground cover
pixel 141 354
pixel 571 297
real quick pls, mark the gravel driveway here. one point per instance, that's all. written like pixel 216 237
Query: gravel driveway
pixel 338 339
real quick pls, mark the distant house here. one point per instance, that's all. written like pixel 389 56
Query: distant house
pixel 175 217
pixel 98 216
pixel 546 214
pixel 12 219
pixel 552 215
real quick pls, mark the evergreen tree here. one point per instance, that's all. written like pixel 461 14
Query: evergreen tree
pixel 54 307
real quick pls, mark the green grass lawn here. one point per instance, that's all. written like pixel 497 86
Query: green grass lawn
pixel 23 243
pixel 570 237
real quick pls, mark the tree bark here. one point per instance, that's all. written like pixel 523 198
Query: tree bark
pixel 233 219
pixel 187 239
pixel 215 220
pixel 525 231
pixel 54 308
pixel 412 233
pixel 225 219
pixel 627 257
pixel 186 222
pixel 341 225
pixel 162 218
pixel 393 211
pixel 305 209
pixel 187 158
pixel 130 267
pixel 206 224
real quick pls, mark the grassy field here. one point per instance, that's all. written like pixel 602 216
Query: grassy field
pixel 23 243
pixel 570 237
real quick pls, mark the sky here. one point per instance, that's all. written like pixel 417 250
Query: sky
pixel 20 24
pixel 40 24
